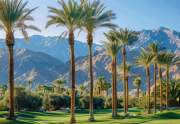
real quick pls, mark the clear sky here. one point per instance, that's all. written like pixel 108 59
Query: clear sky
pixel 134 14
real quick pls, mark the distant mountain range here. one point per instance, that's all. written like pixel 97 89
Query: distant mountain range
pixel 53 46
pixel 45 59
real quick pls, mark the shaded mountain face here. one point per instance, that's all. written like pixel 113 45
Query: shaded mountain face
pixel 29 65
pixel 44 59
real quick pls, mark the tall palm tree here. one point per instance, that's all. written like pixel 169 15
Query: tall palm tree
pixel 14 15
pixel 167 59
pixel 96 17
pixel 160 62
pixel 68 15
pixel 112 48
pixel 137 84
pixel 145 60
pixel 126 37
pixel 127 71
pixel 154 49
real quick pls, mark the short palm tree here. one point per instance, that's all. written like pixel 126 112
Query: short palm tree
pixel 59 85
pixel 112 48
pixel 137 83
pixel 95 17
pixel 145 60
pixel 68 15
pixel 14 15
pixel 154 49
pixel 126 37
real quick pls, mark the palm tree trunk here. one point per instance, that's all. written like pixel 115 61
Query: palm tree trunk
pixel 167 86
pixel 124 77
pixel 10 45
pixel 115 81
pixel 114 90
pixel 161 92
pixel 138 92
pixel 155 87
pixel 71 43
pixel 127 93
pixel 90 40
pixel 148 88
pixel 11 82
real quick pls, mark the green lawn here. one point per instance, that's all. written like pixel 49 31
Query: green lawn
pixel 102 117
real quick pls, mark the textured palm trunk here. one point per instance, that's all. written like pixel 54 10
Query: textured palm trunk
pixel 127 93
pixel 124 77
pixel 90 41
pixel 167 86
pixel 138 92
pixel 114 90
pixel 115 80
pixel 148 89
pixel 10 45
pixel 161 92
pixel 155 87
pixel 71 43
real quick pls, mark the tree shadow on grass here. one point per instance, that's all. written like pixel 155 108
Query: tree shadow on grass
pixel 167 115
pixel 15 122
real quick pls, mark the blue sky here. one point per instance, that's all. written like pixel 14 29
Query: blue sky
pixel 134 14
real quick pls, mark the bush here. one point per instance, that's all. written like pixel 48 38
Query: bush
pixel 99 102
pixel 59 101
pixel 27 101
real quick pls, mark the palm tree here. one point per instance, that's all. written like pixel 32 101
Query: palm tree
pixel 14 15
pixel 95 17
pixel 59 85
pixel 29 86
pixel 137 84
pixel 99 84
pixel 112 48
pixel 154 49
pixel 126 37
pixel 82 89
pixel 168 59
pixel 160 63
pixel 145 60
pixel 106 86
pixel 127 71
pixel 68 15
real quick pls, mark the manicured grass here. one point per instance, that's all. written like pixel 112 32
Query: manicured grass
pixel 102 117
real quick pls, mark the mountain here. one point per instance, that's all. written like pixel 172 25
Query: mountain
pixel 45 59
pixel 53 46
pixel 102 63
pixel 36 66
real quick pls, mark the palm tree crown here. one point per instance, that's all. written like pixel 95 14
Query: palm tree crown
pixel 112 45
pixel 68 15
pixel 14 16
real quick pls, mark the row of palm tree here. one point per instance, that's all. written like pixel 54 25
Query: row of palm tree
pixel 84 16
pixel 88 16
pixel 118 39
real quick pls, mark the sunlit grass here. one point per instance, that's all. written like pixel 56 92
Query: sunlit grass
pixel 102 117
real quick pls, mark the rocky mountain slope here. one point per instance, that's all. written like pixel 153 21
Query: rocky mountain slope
pixel 43 59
